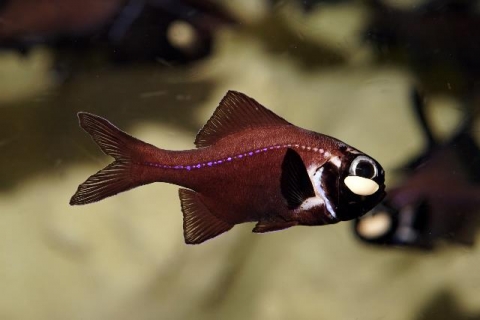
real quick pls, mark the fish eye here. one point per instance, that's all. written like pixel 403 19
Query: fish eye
pixel 363 167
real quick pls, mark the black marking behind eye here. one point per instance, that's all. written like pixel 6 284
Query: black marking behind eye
pixel 295 183
pixel 329 182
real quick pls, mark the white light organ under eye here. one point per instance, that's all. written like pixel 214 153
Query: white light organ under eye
pixel 362 186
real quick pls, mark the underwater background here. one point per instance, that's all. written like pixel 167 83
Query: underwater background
pixel 316 64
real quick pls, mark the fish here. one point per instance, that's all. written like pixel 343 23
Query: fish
pixel 435 38
pixel 174 32
pixel 438 200
pixel 437 203
pixel 249 165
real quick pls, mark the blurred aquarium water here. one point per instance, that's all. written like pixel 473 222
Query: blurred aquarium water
pixel 158 69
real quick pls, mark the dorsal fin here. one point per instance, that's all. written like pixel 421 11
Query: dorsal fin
pixel 236 112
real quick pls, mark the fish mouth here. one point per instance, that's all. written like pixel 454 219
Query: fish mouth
pixel 351 206
pixel 383 194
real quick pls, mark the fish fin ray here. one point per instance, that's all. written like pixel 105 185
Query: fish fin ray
pixel 113 179
pixel 295 183
pixel 269 226
pixel 116 177
pixel 236 112
pixel 108 137
pixel 199 224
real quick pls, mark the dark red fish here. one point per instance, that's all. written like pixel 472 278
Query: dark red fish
pixel 250 165
pixel 436 202
pixel 439 198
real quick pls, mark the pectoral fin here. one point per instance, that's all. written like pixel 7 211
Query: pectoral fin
pixel 268 226
pixel 295 183
pixel 199 224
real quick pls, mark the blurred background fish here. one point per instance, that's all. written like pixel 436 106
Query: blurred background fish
pixel 157 69
pixel 123 30
pixel 439 198
pixel 435 38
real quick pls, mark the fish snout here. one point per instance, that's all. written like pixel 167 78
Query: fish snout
pixel 361 187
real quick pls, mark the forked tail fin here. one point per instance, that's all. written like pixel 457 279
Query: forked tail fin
pixel 116 177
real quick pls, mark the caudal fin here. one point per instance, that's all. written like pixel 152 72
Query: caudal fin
pixel 116 177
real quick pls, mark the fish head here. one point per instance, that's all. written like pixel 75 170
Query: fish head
pixel 352 184
pixel 390 224
pixel 379 226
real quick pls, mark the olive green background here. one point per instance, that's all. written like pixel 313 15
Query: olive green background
pixel 124 258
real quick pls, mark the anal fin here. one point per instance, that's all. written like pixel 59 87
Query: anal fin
pixel 269 226
pixel 199 224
